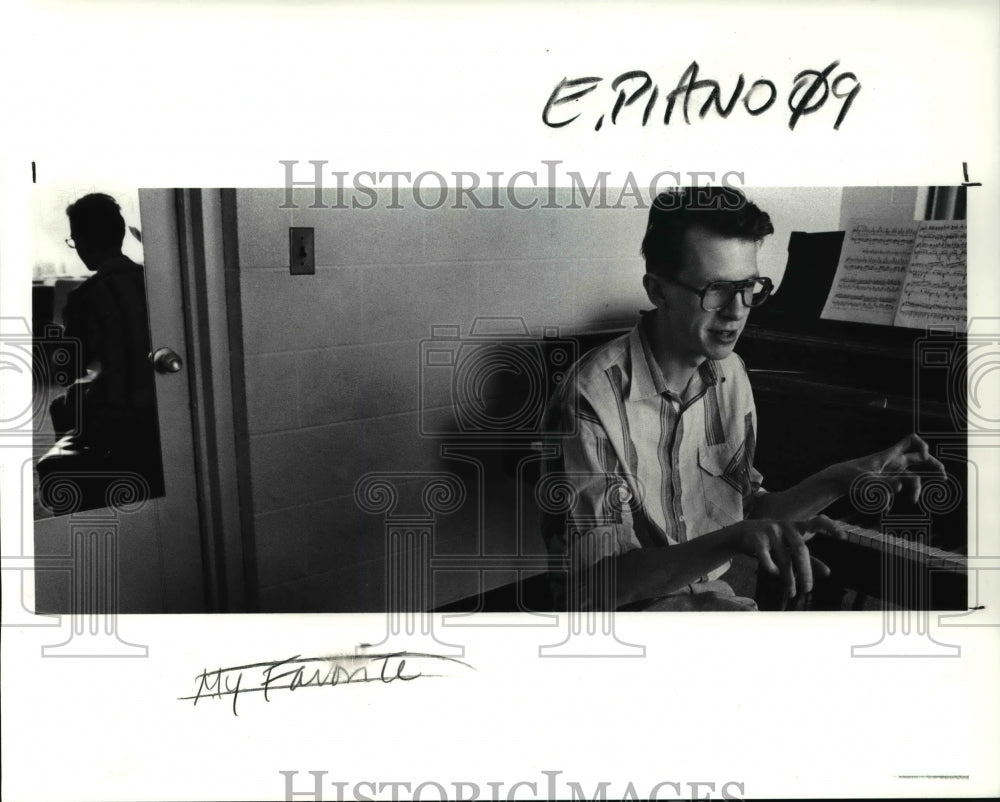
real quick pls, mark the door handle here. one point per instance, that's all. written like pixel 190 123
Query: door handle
pixel 165 360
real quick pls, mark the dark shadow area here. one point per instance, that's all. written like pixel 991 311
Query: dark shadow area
pixel 500 380
pixel 94 373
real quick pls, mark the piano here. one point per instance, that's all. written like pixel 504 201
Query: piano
pixel 830 390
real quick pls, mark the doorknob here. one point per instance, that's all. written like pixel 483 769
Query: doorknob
pixel 165 360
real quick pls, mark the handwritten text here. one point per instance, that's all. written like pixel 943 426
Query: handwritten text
pixel 273 677
pixel 809 91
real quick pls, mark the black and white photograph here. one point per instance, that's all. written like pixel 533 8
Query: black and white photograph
pixel 380 382
pixel 475 395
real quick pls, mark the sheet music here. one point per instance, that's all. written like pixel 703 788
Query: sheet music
pixel 869 278
pixel 934 292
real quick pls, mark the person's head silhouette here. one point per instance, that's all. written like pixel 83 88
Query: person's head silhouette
pixel 97 228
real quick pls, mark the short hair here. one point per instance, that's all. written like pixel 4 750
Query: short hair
pixel 720 210
pixel 97 219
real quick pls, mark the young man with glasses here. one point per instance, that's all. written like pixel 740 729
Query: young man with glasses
pixel 656 433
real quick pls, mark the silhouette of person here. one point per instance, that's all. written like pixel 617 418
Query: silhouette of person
pixel 107 419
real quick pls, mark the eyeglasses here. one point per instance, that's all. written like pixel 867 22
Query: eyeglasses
pixel 719 294
pixel 70 242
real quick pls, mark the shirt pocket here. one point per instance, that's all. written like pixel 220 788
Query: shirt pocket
pixel 721 490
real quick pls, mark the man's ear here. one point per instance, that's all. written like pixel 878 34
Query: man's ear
pixel 654 290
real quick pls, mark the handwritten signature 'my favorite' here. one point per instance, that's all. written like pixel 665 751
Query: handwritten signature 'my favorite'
pixel 294 673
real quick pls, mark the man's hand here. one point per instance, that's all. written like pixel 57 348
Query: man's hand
pixel 895 464
pixel 780 549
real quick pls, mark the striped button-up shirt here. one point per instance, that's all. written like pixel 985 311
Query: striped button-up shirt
pixel 638 465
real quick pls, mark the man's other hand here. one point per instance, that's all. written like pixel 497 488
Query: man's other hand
pixel 780 549
pixel 896 464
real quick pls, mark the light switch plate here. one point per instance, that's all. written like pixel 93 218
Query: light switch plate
pixel 301 251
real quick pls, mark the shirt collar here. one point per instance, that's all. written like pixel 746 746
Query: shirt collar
pixel 647 378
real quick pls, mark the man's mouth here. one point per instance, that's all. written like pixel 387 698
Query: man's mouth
pixel 725 335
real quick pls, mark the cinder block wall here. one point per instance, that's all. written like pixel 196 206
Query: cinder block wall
pixel 332 363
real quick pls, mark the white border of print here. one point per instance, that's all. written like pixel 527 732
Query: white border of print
pixel 215 95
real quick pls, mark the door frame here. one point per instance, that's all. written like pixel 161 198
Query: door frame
pixel 209 264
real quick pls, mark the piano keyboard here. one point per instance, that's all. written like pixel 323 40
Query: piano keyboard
pixel 897 572
pixel 901 548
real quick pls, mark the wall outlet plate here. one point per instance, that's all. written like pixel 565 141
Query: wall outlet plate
pixel 301 251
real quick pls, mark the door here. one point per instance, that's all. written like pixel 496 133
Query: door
pixel 166 554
